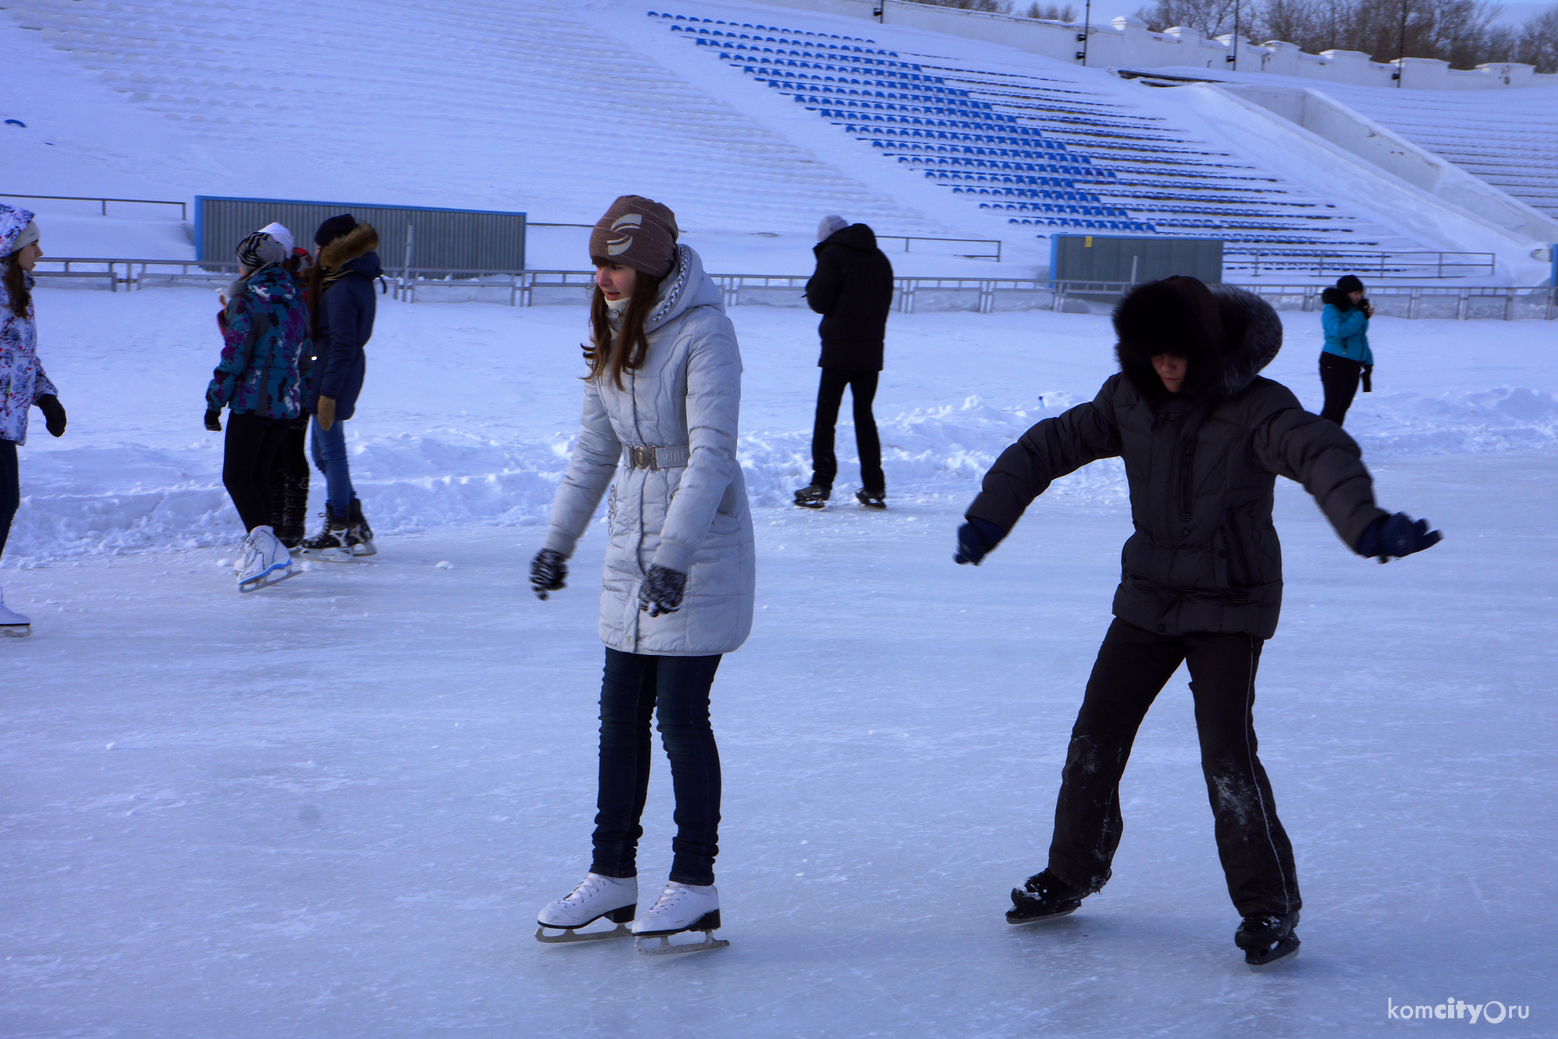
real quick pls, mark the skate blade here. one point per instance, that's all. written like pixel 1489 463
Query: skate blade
pixel 571 934
pixel 811 504
pixel 16 631
pixel 267 579
pixel 1048 918
pixel 1280 960
pixel 327 555
pixel 644 946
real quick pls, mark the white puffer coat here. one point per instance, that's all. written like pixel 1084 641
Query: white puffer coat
pixel 685 400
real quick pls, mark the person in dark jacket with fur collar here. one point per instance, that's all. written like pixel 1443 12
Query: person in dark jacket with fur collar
pixel 1203 437
pixel 344 307
pixel 852 289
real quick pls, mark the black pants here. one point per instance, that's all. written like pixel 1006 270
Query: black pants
pixel 824 466
pixel 1339 377
pixel 289 471
pixel 10 488
pixel 1132 667
pixel 251 446
pixel 633 687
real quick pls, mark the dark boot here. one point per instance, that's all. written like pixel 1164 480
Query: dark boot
pixel 294 512
pixel 1267 938
pixel 359 536
pixel 330 543
pixel 812 496
pixel 1043 897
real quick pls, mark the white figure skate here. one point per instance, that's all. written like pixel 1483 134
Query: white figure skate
pixel 680 908
pixel 265 561
pixel 615 898
pixel 12 623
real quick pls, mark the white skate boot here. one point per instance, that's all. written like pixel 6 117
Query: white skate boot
pixel 615 898
pixel 680 907
pixel 11 622
pixel 265 560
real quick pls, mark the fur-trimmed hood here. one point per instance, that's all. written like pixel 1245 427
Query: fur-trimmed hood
pixel 358 242
pixel 1335 297
pixel 1227 334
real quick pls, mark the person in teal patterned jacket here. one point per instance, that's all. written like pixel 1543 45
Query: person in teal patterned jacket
pixel 264 329
pixel 1346 357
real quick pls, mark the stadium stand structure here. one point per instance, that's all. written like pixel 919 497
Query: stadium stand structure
pixel 1046 151
pixel 1512 144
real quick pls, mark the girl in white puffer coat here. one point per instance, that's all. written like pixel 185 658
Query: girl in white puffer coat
pixel 661 404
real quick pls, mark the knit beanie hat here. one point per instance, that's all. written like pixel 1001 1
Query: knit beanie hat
pixel 28 235
pixel 829 225
pixel 1349 283
pixel 281 234
pixel 334 228
pixel 260 250
pixel 637 232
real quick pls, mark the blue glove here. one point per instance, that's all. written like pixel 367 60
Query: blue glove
pixel 1391 537
pixel 662 590
pixel 975 539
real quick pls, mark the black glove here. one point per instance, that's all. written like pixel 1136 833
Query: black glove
pixel 53 414
pixel 1391 537
pixel 1367 378
pixel 662 590
pixel 214 421
pixel 548 572
pixel 975 538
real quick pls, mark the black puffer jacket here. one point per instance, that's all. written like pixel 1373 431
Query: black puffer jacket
pixel 1201 465
pixel 853 290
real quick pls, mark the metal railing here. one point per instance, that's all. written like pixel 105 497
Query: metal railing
pixel 983 295
pixel 183 206
pixel 908 239
pixel 1364 264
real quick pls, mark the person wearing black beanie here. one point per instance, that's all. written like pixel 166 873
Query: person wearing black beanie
pixel 1346 359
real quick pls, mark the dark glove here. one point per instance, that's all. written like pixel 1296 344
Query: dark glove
pixel 53 414
pixel 548 572
pixel 1391 537
pixel 975 538
pixel 662 590
pixel 214 421
pixel 1367 377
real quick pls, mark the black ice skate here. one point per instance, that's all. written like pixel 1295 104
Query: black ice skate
pixel 331 544
pixel 359 536
pixel 1043 898
pixel 813 496
pixel 1268 939
pixel 872 499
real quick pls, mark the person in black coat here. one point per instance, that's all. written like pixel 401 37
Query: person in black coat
pixel 853 291
pixel 1203 437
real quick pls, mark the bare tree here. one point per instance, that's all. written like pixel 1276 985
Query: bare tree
pixel 1052 12
pixel 989 6
pixel 1538 42
pixel 1209 17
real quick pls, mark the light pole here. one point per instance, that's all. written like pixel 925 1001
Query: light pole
pixel 1401 47
pixel 1087 22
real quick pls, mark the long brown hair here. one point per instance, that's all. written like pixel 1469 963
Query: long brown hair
pixel 632 345
pixel 16 284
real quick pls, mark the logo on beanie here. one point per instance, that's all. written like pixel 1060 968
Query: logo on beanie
pixel 619 245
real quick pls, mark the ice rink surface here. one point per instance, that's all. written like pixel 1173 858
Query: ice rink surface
pixel 333 808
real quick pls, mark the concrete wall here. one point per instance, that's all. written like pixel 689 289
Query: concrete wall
pixel 1127 43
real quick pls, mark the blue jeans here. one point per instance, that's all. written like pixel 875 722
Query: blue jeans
pixel 633 686
pixel 328 446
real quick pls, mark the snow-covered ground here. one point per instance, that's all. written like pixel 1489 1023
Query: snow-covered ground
pixel 332 808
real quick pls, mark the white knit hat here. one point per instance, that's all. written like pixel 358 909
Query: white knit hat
pixel 281 234
pixel 28 235
pixel 830 224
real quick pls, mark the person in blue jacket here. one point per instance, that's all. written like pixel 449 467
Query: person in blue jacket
pixel 1345 358
pixel 343 306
